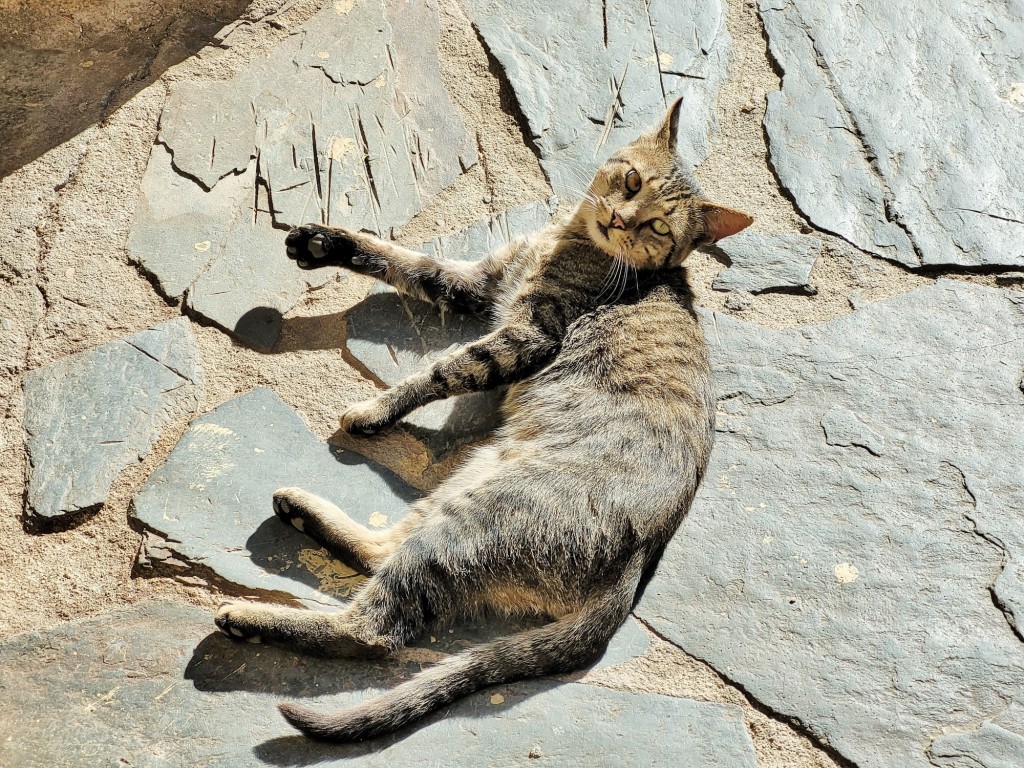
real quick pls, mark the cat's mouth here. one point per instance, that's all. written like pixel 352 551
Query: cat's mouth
pixel 603 230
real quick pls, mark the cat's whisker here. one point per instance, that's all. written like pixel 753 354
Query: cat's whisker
pixel 625 277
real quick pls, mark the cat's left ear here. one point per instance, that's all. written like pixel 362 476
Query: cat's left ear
pixel 669 131
pixel 720 221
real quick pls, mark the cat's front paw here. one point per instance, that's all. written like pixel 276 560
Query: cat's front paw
pixel 239 621
pixel 368 417
pixel 312 246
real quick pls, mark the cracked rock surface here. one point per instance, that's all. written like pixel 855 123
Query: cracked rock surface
pixel 91 415
pixel 318 130
pixel 762 262
pixel 864 502
pixel 209 505
pixel 158 670
pixel 395 336
pixel 898 125
pixel 589 76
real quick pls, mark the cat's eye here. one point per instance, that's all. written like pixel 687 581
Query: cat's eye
pixel 633 181
pixel 659 226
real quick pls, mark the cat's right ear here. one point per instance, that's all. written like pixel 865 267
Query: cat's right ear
pixel 721 221
pixel 669 130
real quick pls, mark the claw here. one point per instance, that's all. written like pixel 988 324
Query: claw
pixel 316 246
pixel 303 263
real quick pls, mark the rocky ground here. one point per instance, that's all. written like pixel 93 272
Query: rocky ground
pixel 848 589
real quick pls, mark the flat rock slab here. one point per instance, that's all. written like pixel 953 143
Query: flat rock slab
pixel 91 415
pixel 590 77
pixel 209 505
pixel 855 556
pixel 150 686
pixel 898 125
pixel 768 262
pixel 320 130
pixel 394 336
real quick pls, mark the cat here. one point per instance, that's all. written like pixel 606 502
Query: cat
pixel 609 419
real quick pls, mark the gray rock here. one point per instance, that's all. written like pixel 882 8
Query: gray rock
pixel 395 337
pixel 92 415
pixel 996 743
pixel 588 80
pixel 151 686
pixel 845 428
pixel 320 130
pixel 876 599
pixel 898 126
pixel 765 262
pixel 209 504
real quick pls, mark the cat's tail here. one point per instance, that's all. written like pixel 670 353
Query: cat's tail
pixel 564 645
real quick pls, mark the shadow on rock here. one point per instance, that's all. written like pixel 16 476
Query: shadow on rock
pixel 312 333
pixel 260 328
pixel 385 320
pixel 282 550
pixel 406 493
pixel 300 751
pixel 220 665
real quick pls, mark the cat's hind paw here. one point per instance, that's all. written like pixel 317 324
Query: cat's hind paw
pixel 237 621
pixel 287 508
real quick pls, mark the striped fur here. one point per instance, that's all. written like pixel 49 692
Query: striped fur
pixel 609 423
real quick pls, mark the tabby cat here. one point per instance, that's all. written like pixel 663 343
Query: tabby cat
pixel 609 419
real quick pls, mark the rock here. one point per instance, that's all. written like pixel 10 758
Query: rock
pixel 765 262
pixel 319 130
pixel 995 743
pixel 91 415
pixel 395 337
pixel 137 686
pixel 875 596
pixel 845 428
pixel 898 127
pixel 209 504
pixel 589 81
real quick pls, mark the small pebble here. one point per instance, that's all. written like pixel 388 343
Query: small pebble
pixel 739 300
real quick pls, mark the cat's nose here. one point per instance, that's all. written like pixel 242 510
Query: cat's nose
pixel 616 222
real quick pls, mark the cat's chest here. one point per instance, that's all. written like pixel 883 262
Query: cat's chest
pixel 520 279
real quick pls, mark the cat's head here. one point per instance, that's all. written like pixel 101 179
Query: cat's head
pixel 643 208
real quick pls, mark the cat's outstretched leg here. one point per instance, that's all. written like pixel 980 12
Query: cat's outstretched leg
pixel 459 285
pixel 355 545
pixel 419 584
pixel 314 632
pixel 526 343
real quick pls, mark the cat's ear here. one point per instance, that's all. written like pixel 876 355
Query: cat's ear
pixel 720 221
pixel 669 130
